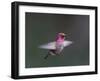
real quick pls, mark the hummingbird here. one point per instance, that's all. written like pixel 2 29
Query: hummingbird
pixel 56 47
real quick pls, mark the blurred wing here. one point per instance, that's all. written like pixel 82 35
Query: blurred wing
pixel 50 45
pixel 67 43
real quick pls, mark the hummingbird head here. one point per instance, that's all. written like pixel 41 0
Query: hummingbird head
pixel 62 35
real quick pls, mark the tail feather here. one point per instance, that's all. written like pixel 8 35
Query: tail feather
pixel 46 56
pixel 51 52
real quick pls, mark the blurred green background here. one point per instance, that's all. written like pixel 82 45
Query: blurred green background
pixel 42 28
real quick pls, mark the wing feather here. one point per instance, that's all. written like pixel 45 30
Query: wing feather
pixel 67 43
pixel 50 45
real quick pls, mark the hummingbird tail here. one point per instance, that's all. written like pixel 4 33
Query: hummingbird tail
pixel 46 56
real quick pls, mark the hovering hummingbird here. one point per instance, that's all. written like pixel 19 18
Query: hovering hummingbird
pixel 56 47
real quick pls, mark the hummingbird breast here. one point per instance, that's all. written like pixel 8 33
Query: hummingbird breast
pixel 59 47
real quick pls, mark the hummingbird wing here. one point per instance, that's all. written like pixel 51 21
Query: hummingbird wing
pixel 51 46
pixel 67 43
